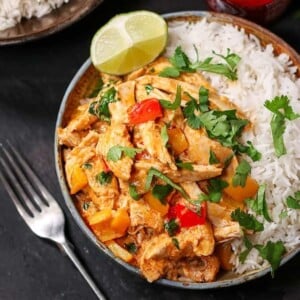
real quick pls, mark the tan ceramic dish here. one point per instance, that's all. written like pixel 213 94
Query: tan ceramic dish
pixel 55 21
pixel 83 83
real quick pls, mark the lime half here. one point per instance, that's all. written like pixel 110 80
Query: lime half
pixel 128 42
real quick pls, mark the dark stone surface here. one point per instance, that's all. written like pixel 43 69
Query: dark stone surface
pixel 33 78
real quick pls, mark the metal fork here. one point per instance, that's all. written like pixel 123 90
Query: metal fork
pixel 36 205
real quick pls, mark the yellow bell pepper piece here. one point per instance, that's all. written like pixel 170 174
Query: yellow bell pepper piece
pixel 120 221
pixel 177 140
pixel 156 204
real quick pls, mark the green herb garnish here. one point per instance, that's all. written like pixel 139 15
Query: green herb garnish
pixel 184 165
pixel 259 205
pixel 241 173
pixel 246 220
pixel 131 247
pixel 104 177
pixel 115 153
pixel 164 135
pixel 100 108
pixel 176 243
pixel 281 110
pixel 181 63
pixel 171 227
pixel 98 87
pixel 243 255
pixel 172 105
pixel 133 192
pixel 87 166
pixel 293 202
pixel 154 172
pixel 161 192
pixel 250 150
pixel 272 252
pixel 148 88
pixel 85 205
pixel 215 188
pixel 212 158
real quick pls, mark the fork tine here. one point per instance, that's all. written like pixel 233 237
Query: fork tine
pixel 47 196
pixel 19 189
pixel 35 197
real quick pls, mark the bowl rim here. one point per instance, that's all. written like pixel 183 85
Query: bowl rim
pixel 242 278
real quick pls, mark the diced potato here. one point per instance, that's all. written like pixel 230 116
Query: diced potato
pixel 224 253
pixel 240 193
pixel 120 221
pixel 77 179
pixel 100 217
pixel 118 251
pixel 156 204
pixel 177 140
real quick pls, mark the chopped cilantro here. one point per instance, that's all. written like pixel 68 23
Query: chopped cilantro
pixel 184 165
pixel 293 202
pixel 250 150
pixel 87 166
pixel 115 152
pixel 176 243
pixel 216 185
pixel 181 63
pixel 131 247
pixel 281 110
pixel 85 205
pixel 98 87
pixel 203 99
pixel 171 227
pixel 133 192
pixel 241 173
pixel 243 255
pixel 154 172
pixel 259 205
pixel 212 158
pixel 172 105
pixel 272 252
pixel 161 192
pixel 283 214
pixel 148 88
pixel 164 135
pixel 246 220
pixel 104 177
pixel 100 108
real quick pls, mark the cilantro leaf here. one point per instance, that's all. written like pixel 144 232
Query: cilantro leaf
pixel 104 177
pixel 272 252
pixel 98 87
pixel 100 108
pixel 170 72
pixel 154 172
pixel 283 214
pixel 161 192
pixel 164 135
pixel 243 255
pixel 115 152
pixel 176 243
pixel 172 105
pixel 148 88
pixel 203 99
pixel 293 202
pixel 250 150
pixel 133 192
pixel 181 61
pixel 86 205
pixel 184 165
pixel 280 105
pixel 216 185
pixel 241 173
pixel 131 247
pixel 281 110
pixel 212 158
pixel 87 166
pixel 246 220
pixel 259 205
pixel 171 227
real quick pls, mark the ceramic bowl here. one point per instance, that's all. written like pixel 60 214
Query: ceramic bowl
pixel 81 86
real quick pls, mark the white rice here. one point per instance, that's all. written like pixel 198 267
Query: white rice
pixel 12 11
pixel 261 76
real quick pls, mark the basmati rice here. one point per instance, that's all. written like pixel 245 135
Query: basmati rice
pixel 261 76
pixel 12 11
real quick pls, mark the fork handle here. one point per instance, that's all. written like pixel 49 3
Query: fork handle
pixel 65 246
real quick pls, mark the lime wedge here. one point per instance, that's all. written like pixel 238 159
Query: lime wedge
pixel 128 42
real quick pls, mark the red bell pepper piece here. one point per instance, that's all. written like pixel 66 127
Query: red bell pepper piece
pixel 146 110
pixel 187 217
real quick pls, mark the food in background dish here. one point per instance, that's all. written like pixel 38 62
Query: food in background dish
pixel 190 163
pixel 12 11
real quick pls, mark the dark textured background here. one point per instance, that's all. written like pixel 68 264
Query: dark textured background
pixel 33 78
